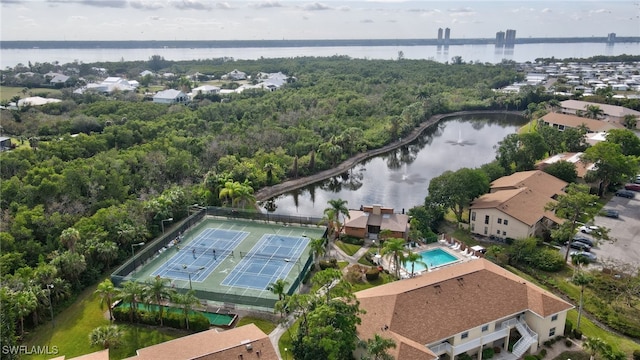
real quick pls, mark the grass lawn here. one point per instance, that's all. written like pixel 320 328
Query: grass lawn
pixel 528 127
pixel 285 344
pixel 73 325
pixel 7 92
pixel 383 279
pixel 349 249
pixel 265 325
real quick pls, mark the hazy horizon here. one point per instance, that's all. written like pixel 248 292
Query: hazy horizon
pixel 131 20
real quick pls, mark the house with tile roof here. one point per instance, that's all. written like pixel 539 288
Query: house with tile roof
pixel 462 308
pixel 515 206
pixel 367 222
pixel 573 158
pixel 564 121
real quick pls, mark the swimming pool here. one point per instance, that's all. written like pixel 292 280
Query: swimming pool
pixel 433 258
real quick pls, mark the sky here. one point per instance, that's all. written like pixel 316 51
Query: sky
pixel 321 19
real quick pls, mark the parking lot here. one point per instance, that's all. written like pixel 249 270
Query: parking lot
pixel 625 230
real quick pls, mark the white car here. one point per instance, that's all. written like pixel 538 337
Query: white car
pixel 588 229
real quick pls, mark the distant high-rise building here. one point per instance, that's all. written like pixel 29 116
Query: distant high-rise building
pixel 510 38
pixel 439 35
pixel 500 38
pixel 447 35
pixel 611 37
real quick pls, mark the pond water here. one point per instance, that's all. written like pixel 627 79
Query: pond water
pixel 400 178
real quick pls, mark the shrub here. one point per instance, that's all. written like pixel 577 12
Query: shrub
pixel 372 274
pixel 329 264
pixel 530 357
pixel 577 334
pixel 487 353
pixel 542 353
pixel 568 343
pixel 636 354
pixel 351 240
pixel 198 322
pixel 568 327
pixel 548 343
pixel 464 356
pixel 173 320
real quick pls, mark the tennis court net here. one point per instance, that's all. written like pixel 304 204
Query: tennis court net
pixel 206 251
pixel 272 257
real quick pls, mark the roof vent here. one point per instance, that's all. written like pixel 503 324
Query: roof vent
pixel 249 347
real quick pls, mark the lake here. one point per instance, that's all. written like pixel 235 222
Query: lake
pixel 482 53
pixel 400 178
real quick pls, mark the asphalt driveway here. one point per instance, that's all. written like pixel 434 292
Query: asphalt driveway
pixel 625 230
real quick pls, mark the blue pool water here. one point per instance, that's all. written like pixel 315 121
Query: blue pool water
pixel 433 258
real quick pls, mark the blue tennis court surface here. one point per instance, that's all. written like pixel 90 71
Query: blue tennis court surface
pixel 201 255
pixel 270 259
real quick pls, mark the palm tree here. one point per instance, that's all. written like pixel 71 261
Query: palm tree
pixel 244 194
pixel 593 112
pixel 394 248
pixel 107 292
pixel 70 238
pixel 279 288
pixel 317 250
pixel 25 303
pixel 228 191
pixel 131 293
pixel 377 348
pixel 158 291
pixel 187 302
pixel 107 251
pixel 594 345
pixel 268 167
pixel 629 121
pixel 414 258
pixel 107 336
pixel 338 207
pixel 581 279
pixel 328 218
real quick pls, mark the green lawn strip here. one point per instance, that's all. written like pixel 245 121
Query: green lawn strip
pixel 343 264
pixel 286 341
pixel 7 92
pixel 265 325
pixel 383 279
pixel 529 127
pixel 349 249
pixel 72 327
pixel 363 260
pixel 138 336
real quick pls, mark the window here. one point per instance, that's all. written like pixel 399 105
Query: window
pixel 504 233
pixel 466 334
pixel 485 328
pixel 498 232
pixel 506 222
pixel 472 227
pixel 552 332
pixel 499 221
pixel 486 219
pixel 473 216
pixel 486 230
pixel 554 317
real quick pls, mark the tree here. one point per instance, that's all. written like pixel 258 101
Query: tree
pixel 158 291
pixel 377 347
pixel 131 293
pixel 594 345
pixel 317 250
pixel 575 203
pixel 414 258
pixel 106 336
pixel 187 301
pixel 455 190
pixel 629 142
pixel 394 249
pixel 593 112
pixel 611 165
pixel 70 238
pixel 581 279
pixel 629 121
pixel 107 292
pixel 279 288
pixel 337 207
pixel 563 170
pixel 25 302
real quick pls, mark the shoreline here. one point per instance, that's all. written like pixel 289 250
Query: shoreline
pixel 267 193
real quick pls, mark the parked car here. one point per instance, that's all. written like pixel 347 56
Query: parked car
pixel 583 240
pixel 611 213
pixel 637 181
pixel 588 229
pixel 590 256
pixel 632 187
pixel 625 193
pixel 580 246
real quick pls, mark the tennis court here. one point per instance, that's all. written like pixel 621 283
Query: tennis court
pixel 233 261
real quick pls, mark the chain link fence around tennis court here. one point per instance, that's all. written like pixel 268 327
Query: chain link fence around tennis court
pixel 156 246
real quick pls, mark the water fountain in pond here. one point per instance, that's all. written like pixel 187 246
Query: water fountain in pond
pixel 405 177
pixel 460 141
